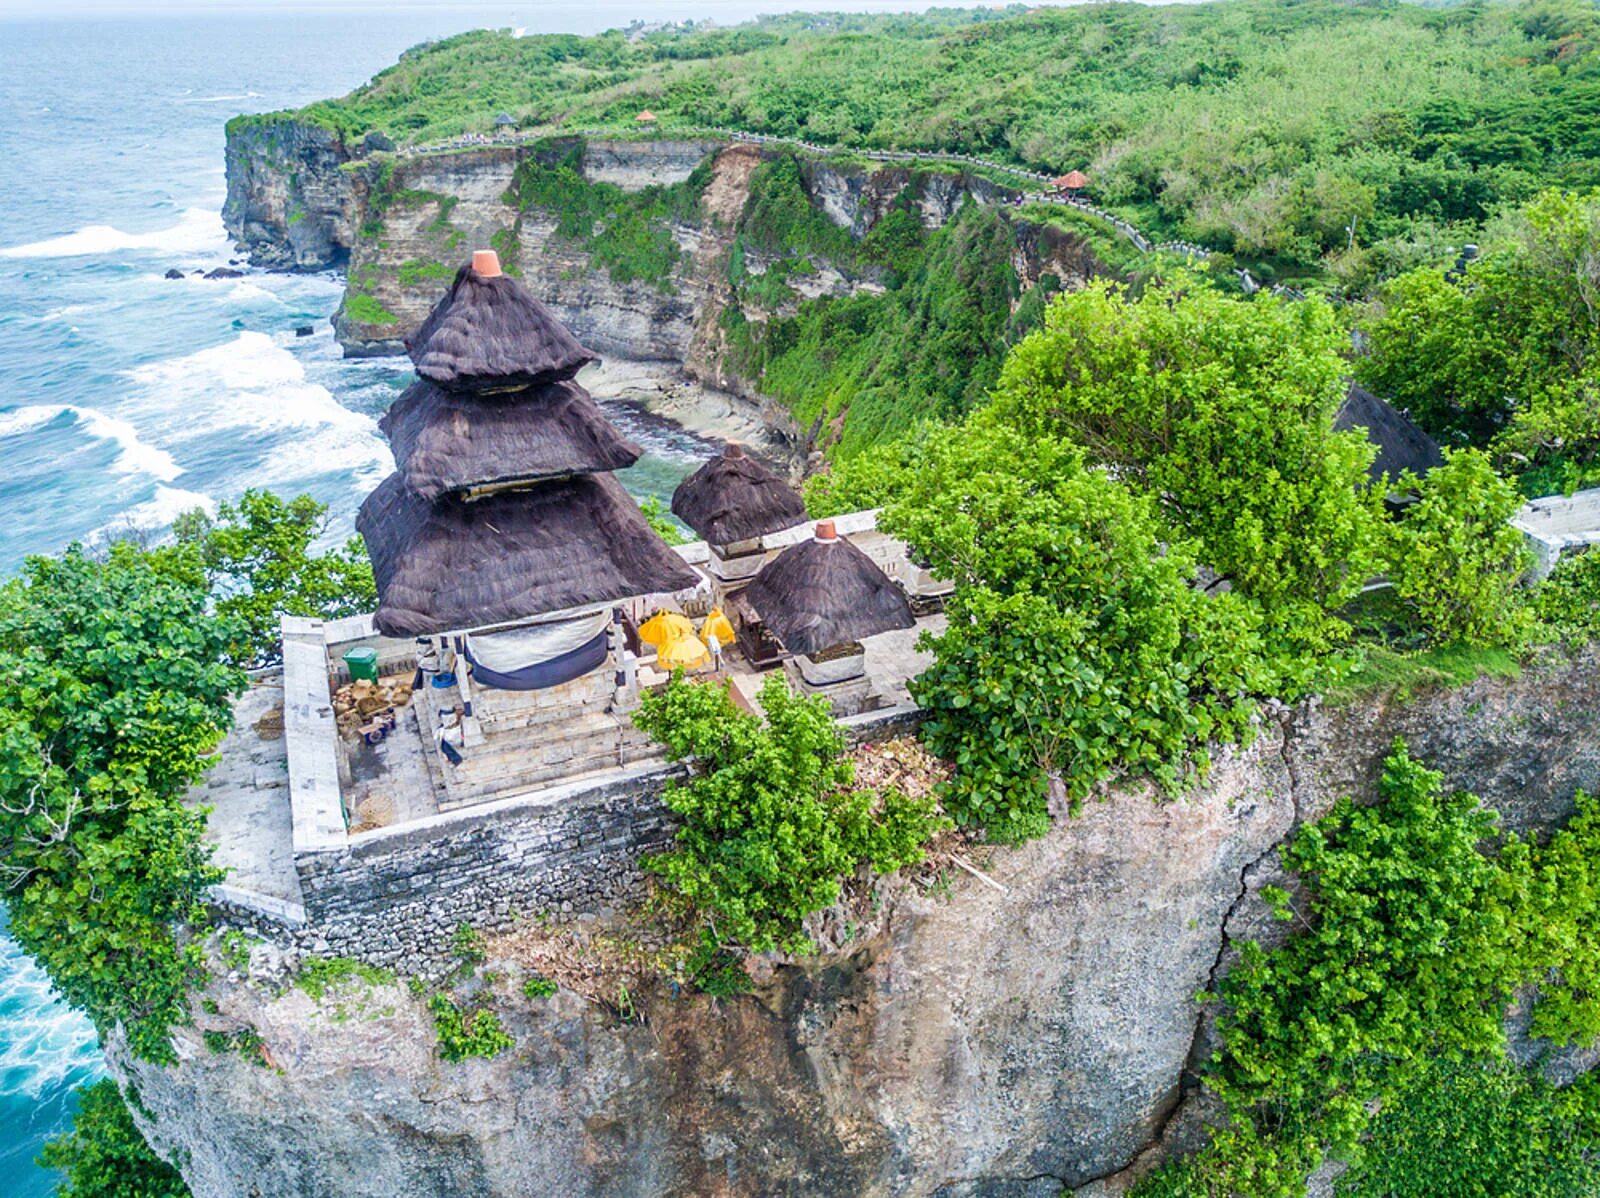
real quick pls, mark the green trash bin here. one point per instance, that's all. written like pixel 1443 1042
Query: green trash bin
pixel 362 663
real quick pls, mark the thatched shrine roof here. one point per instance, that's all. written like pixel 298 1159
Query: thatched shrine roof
pixel 490 334
pixel 452 440
pixel 453 564
pixel 1401 444
pixel 825 592
pixel 733 497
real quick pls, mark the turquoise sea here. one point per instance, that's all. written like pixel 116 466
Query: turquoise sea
pixel 129 397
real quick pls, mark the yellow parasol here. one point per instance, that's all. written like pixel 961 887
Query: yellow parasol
pixel 716 624
pixel 686 652
pixel 665 627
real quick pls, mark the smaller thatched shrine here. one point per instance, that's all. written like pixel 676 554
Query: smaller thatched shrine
pixel 1401 444
pixel 820 599
pixel 503 544
pixel 733 501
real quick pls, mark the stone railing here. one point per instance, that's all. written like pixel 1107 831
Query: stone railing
pixel 471 141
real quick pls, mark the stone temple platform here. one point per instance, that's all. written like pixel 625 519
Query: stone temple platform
pixel 305 814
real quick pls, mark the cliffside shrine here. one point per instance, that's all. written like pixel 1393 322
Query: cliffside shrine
pixel 502 544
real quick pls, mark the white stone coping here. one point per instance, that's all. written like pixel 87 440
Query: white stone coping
pixel 311 735
pixel 278 910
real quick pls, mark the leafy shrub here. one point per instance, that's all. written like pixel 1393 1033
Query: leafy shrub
pixel 1076 644
pixel 1455 560
pixel 770 826
pixel 1481 1128
pixel 1417 923
pixel 1567 602
pixel 715 970
pixel 466 942
pixel 1221 410
pixel 655 514
pixel 539 987
pixel 105 1156
pixel 319 975
pixel 257 556
pixel 470 1033
pixel 112 698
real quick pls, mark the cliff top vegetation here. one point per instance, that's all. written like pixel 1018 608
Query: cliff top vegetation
pixel 1259 127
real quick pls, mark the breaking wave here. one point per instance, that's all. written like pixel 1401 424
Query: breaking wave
pixel 135 455
pixel 199 230
pixel 44 1044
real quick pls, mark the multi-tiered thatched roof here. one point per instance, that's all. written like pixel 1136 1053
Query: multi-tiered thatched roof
pixel 489 334
pixel 734 498
pixel 458 564
pixel 447 440
pixel 826 592
pixel 503 508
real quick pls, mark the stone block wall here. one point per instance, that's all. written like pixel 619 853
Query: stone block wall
pixel 393 897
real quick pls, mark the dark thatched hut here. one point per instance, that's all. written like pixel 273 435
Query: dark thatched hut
pixel 1401 444
pixel 490 334
pixel 825 592
pixel 450 441
pixel 454 564
pixel 734 498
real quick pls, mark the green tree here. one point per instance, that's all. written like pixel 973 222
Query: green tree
pixel 1221 409
pixel 1077 643
pixel 1509 357
pixel 771 825
pixel 258 556
pixel 1454 559
pixel 112 698
pixel 105 1156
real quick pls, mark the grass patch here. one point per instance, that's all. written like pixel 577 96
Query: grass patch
pixel 319 975
pixel 364 309
pixel 1402 674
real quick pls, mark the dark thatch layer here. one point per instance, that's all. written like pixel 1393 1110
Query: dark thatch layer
pixel 818 594
pixel 450 440
pixel 734 497
pixel 452 564
pixel 491 334
pixel 1401 444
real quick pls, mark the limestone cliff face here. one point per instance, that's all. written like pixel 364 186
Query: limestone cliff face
pixel 295 198
pixel 290 204
pixel 978 1043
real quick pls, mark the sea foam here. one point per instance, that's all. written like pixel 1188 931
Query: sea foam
pixel 135 455
pixel 44 1044
pixel 199 230
pixel 256 384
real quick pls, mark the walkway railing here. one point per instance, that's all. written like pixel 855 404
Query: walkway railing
pixel 470 141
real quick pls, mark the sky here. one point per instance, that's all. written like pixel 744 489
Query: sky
pixel 527 10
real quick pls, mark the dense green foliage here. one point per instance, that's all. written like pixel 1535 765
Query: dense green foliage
pixel 104 1155
pixel 1454 559
pixel 1567 603
pixel 258 558
pixel 463 1033
pixel 113 696
pixel 871 365
pixel 1469 1129
pixel 1222 410
pixel 1076 646
pixel 1415 924
pixel 626 233
pixel 1411 122
pixel 1508 357
pixel 770 824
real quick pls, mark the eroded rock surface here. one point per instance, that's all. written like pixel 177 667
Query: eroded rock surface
pixel 977 1043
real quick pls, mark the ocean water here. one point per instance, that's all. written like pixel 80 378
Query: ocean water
pixel 129 397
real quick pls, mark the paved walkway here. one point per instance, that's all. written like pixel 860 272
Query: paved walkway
pixel 248 792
